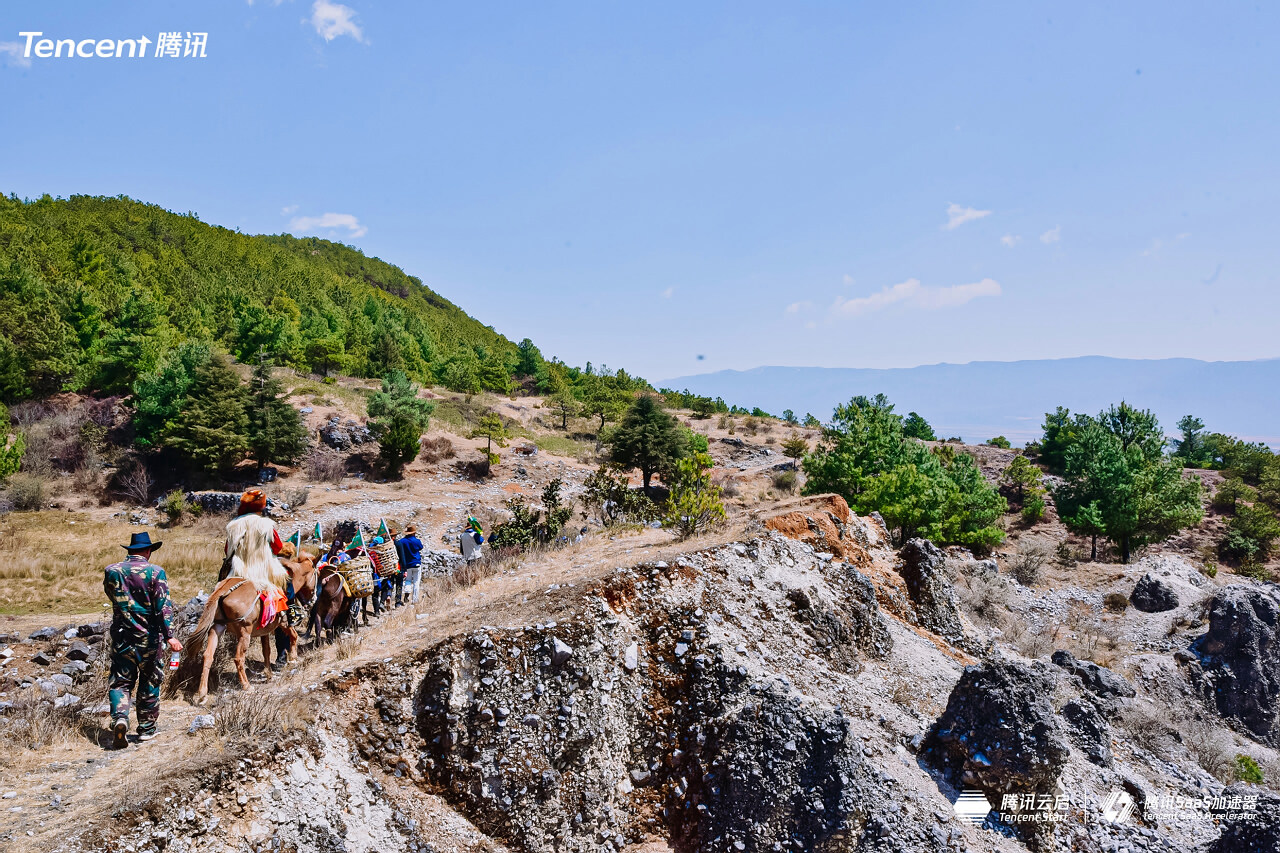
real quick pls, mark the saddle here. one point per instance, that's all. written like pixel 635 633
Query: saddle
pixel 274 602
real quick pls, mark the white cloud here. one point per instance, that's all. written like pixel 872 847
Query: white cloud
pixel 12 52
pixel 797 307
pixel 1053 235
pixel 912 292
pixel 329 220
pixel 666 294
pixel 332 20
pixel 1011 240
pixel 848 280
pixel 288 210
pixel 957 215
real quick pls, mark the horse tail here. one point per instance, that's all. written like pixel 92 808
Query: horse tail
pixel 193 647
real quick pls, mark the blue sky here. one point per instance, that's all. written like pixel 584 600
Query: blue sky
pixel 641 184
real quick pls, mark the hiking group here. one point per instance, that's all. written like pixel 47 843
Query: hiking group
pixel 268 588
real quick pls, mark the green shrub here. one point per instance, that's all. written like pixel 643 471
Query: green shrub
pixel 694 503
pixel 529 525
pixel 174 505
pixel 1000 441
pixel 786 481
pixel 1250 534
pixel 1033 507
pixel 609 496
pixel 1231 492
pixel 1247 770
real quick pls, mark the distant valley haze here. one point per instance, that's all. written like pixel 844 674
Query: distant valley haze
pixel 982 399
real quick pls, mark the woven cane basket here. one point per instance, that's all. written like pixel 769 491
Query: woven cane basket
pixel 385 560
pixel 359 574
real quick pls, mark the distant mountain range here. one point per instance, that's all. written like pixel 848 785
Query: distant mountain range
pixel 986 398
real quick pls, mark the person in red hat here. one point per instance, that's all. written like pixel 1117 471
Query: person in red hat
pixel 253 542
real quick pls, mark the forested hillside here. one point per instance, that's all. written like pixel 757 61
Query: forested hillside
pixel 95 291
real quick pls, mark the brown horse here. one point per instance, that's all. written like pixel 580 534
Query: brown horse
pixel 235 604
pixel 332 609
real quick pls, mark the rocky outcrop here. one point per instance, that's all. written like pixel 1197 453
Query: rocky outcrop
pixel 1259 832
pixel 1238 667
pixel 924 570
pixel 1102 682
pixel 999 732
pixel 1088 730
pixel 569 734
pixel 1152 595
pixel 219 503
pixel 826 524
pixel 344 434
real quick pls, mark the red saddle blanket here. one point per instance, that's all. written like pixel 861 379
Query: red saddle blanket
pixel 274 603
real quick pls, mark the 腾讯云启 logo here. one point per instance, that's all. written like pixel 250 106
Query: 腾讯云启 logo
pixel 1117 807
pixel 973 806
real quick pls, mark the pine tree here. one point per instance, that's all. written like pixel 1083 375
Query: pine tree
pixel 276 432
pixel 564 405
pixel 159 395
pixel 132 344
pixel 647 439
pixel 492 428
pixel 915 426
pixel 694 503
pixel 400 418
pixel 794 448
pixel 212 428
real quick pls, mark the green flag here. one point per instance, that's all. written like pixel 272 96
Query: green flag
pixel 296 539
pixel 315 534
pixel 357 541
pixel 383 532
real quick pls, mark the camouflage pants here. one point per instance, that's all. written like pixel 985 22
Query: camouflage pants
pixel 143 666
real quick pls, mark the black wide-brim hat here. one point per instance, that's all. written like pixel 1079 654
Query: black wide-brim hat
pixel 141 542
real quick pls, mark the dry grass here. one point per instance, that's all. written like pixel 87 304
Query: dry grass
pixel 35 724
pixel 50 565
pixel 263 714
pixel 347 646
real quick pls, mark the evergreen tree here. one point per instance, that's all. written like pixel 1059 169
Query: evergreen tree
pixel 694 503
pixel 159 395
pixel 132 344
pixel 562 402
pixel 866 458
pixel 1191 447
pixel 794 448
pixel 1134 428
pixel 529 361
pixel 1060 432
pixel 789 416
pixel 276 431
pixel 647 439
pixel 212 426
pixel 400 418
pixel 601 399
pixel 1021 476
pixel 493 430
pixel 1136 498
pixel 915 426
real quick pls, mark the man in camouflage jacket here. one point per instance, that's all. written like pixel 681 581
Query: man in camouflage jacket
pixel 141 624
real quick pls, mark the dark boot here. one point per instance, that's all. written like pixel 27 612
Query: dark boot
pixel 119 733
